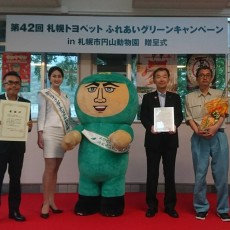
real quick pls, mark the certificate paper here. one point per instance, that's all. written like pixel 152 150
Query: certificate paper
pixel 164 119
pixel 14 116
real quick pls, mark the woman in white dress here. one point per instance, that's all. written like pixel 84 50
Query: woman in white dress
pixel 53 123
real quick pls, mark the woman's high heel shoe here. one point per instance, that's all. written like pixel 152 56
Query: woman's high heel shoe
pixel 56 211
pixel 44 215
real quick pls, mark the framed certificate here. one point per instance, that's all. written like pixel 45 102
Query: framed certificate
pixel 164 119
pixel 14 116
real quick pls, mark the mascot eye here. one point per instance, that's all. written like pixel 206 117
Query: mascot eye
pixel 109 89
pixel 92 89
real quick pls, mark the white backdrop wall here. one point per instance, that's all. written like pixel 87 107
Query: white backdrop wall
pixel 34 164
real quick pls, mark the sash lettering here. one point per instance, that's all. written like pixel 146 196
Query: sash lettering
pixel 60 107
pixel 102 141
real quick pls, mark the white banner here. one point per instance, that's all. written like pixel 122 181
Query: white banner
pixel 128 35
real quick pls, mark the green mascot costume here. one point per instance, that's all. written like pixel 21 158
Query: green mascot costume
pixel 106 106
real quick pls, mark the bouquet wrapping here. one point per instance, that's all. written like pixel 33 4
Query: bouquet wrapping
pixel 214 110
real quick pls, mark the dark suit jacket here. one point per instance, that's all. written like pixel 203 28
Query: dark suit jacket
pixel 151 101
pixel 19 145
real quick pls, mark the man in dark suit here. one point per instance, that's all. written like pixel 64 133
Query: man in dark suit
pixel 12 152
pixel 161 144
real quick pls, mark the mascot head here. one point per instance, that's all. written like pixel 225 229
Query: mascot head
pixel 107 98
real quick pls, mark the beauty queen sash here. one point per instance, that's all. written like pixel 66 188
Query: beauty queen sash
pixel 59 107
pixel 102 141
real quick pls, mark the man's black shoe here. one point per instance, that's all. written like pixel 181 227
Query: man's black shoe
pixel 223 216
pixel 150 212
pixel 201 215
pixel 17 216
pixel 173 213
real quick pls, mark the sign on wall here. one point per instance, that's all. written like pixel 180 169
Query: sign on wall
pixel 146 66
pixel 20 63
pixel 128 35
pixel 196 61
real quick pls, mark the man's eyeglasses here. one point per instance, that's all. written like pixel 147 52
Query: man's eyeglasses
pixel 11 83
pixel 205 75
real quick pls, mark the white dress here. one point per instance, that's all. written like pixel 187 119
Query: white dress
pixel 50 123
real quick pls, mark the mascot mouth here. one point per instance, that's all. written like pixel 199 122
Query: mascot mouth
pixel 100 108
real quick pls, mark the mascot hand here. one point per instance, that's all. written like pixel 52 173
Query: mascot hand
pixel 120 139
pixel 71 139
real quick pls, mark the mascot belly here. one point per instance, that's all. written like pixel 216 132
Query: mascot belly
pixel 106 106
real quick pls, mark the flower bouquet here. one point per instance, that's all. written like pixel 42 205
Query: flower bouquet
pixel 215 109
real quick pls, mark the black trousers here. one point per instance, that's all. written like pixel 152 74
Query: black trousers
pixel 153 162
pixel 12 155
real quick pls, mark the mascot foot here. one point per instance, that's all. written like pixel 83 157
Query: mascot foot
pixel 87 205
pixel 112 206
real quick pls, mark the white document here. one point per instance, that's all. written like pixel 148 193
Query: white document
pixel 164 119
pixel 14 117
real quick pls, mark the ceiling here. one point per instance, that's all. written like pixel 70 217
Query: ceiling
pixel 123 7
pixel 30 3
pixel 136 4
pixel 181 4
